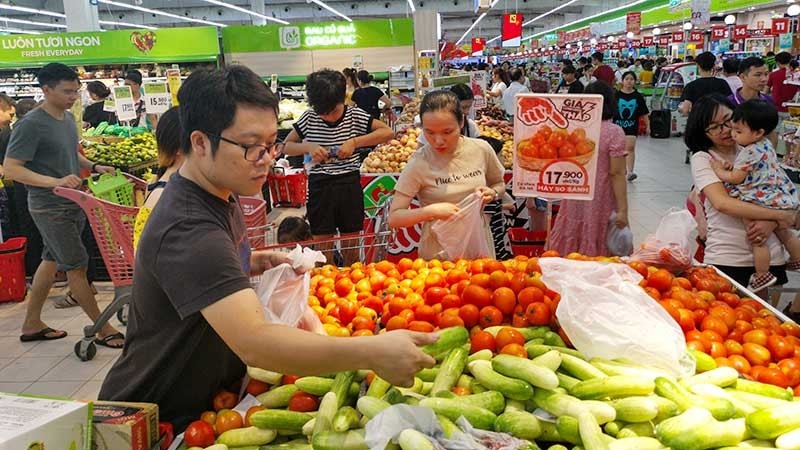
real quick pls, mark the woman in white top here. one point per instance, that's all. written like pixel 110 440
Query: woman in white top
pixel 500 83
pixel 517 78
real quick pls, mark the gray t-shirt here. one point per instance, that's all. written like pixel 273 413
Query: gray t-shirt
pixel 49 147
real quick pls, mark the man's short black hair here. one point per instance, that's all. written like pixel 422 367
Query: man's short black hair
pixel 597 56
pixel 705 61
pixel 134 75
pixel 731 65
pixel 325 89
pixel 566 62
pixel 567 70
pixel 747 63
pixel 783 58
pixel 516 75
pixel 690 58
pixel 463 92
pixel 757 114
pixel 209 99
pixel 54 73
pixel 583 60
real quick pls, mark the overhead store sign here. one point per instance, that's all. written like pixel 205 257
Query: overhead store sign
pixel 318 36
pixel 696 37
pixel 478 44
pixel 780 26
pixel 701 12
pixel 647 41
pixel 102 47
pixel 512 30
pixel 740 31
pixel 663 40
pixel 717 32
pixel 633 22
pixel 677 36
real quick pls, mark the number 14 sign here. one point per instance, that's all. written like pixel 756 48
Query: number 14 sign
pixel 556 139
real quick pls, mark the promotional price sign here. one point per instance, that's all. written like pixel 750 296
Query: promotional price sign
pixel 780 26
pixel 157 97
pixel 677 36
pixel 478 81
pixel 696 37
pixel 647 41
pixel 701 13
pixel 174 82
pixel 633 22
pixel 717 32
pixel 123 103
pixel 740 31
pixel 512 30
pixel 556 140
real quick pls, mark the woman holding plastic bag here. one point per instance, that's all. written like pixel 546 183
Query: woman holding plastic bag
pixel 453 177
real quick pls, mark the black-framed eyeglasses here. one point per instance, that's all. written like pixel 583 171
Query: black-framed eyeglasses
pixel 716 129
pixel 253 152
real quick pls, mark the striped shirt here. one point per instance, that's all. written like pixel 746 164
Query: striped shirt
pixel 354 122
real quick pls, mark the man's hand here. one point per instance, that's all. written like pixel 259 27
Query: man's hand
pixel 347 149
pixel 442 211
pixel 104 169
pixel 69 181
pixel 320 154
pixel 396 357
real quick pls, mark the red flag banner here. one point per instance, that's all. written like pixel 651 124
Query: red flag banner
pixel 478 44
pixel 512 30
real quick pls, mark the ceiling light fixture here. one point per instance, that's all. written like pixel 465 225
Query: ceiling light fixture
pixel 18 30
pixel 31 22
pixel 471 27
pixel 629 35
pixel 246 11
pixel 31 10
pixel 593 41
pixel 687 26
pixel 125 24
pixel 324 5
pixel 618 8
pixel 411 5
pixel 548 12
pixel 730 19
pixel 793 10
pixel 656 31
pixel 160 13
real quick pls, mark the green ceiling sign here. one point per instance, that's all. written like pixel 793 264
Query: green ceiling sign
pixel 105 47
pixel 318 36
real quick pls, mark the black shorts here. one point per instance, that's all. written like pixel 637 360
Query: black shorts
pixel 742 274
pixel 335 203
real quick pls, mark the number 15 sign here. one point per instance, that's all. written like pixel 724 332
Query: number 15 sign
pixel 556 140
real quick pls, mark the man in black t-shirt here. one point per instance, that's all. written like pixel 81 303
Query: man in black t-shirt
pixel 569 84
pixel 706 84
pixel 194 319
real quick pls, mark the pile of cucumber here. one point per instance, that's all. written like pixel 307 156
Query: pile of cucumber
pixel 556 400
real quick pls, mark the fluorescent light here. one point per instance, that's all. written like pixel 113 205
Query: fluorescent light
pixel 160 13
pixel 125 24
pixel 471 27
pixel 493 39
pixel 31 22
pixel 246 11
pixel 18 30
pixel 322 4
pixel 619 8
pixel 31 10
pixel 411 5
pixel 548 13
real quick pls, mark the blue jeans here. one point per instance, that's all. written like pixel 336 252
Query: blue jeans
pixel 61 228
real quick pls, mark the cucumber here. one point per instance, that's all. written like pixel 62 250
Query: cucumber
pixel 519 424
pixel 265 376
pixel 411 439
pixel 565 381
pixel 551 360
pixel 346 418
pixel 491 400
pixel 241 437
pixel 514 405
pixel 448 426
pixel 278 419
pixel 591 434
pixel 770 423
pixel 449 338
pixel 567 405
pixel 549 433
pixel 308 428
pixel 452 367
pixel 327 410
pixel 525 370
pixel 535 349
pixel 551 338
pixel 318 386
pixel 331 440
pixel 635 409
pixel 428 374
pixel 378 387
pixel 453 409
pixel 371 406
pixel 341 386
pixel 416 388
pixel 767 390
pixel 465 381
pixel 510 387
pixel 643 429
pixel 721 376
pixel 612 428
pixel 613 386
pixel 277 397
pixel 297 444
pixel 579 368
pixel 703 362
pixel 393 396
pixel 567 427
pixel 636 443
pixel 720 408
pixel 484 354
pixel 426 388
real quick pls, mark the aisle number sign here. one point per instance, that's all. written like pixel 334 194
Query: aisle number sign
pixel 556 143
pixel 174 83
pixel 123 103
pixel 157 97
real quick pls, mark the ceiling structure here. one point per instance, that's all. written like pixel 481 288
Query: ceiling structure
pixel 457 15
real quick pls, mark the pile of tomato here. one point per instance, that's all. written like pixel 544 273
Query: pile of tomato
pixel 547 143
pixel 737 332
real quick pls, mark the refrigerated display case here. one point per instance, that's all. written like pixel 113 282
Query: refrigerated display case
pixel 666 98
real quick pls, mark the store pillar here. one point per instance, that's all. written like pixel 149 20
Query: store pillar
pixel 81 15
pixel 257 6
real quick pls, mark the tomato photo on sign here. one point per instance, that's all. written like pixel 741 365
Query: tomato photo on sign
pixel 199 434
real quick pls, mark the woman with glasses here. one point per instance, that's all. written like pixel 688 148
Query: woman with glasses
pixel 727 241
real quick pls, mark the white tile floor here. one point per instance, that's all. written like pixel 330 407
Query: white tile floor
pixel 51 368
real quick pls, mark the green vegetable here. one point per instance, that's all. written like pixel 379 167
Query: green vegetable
pixel 428 374
pixel 520 424
pixel 346 418
pixel 331 440
pixel 535 349
pixel 297 444
pixel 453 409
pixel 411 439
pixel 327 410
pixel 789 440
pixel 704 362
pixel 426 388
pixel 697 429
pixel 448 425
pixel 579 368
pixel 378 387
pixel 568 429
pixel 720 408
pixel 635 443
pixel 101 127
pixel 635 409
pixel 557 447
pixel 550 433
pixel 341 386
pixel 449 338
pixel 510 387
pixel 551 360
pixel 643 429
pixel 612 428
pixel 393 396
pixel 452 367
pixel 757 401
pixel 567 405
pixel 767 390
pixel 277 397
pixel 416 388
pixel 514 405
pixel 308 428
pixel 265 376
pixel 565 381
pixel 241 437
pixel 491 400
pixel 721 376
pixel 591 434
pixel 612 386
pixel 743 408
pixel 371 406
pixel 318 386
pixel 278 419
pixel 484 354
pixel 551 338
pixel 610 367
pixel 525 370
pixel 772 422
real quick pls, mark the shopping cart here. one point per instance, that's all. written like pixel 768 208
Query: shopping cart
pixel 112 226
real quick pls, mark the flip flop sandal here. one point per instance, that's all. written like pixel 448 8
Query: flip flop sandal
pixel 68 301
pixel 42 335
pixel 106 341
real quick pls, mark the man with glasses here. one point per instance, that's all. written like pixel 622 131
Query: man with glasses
pixel 43 154
pixel 195 321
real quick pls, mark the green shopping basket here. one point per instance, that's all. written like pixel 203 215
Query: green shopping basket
pixel 112 188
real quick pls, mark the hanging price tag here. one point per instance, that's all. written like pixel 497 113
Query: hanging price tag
pixel 174 82
pixel 157 98
pixel 123 103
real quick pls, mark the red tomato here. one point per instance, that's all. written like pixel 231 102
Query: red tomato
pixel 519 319
pixel 791 368
pixel 538 314
pixel 347 310
pixel 362 323
pixel 490 316
pixel 250 412
pixel 758 355
pixel 779 347
pixel 435 295
pixel 756 337
pixel 477 295
pixel 774 376
pixel 224 400
pixel 661 279
pixel 289 379
pixel 199 434
pixel 507 336
pixel 303 402
pixel 397 323
pixel 740 363
pixel 505 300
pixel 482 340
pixel 530 295
pixel 733 347
pixel 425 313
pixel 514 350
pixel 469 314
pixel 209 416
pixel 228 420
pixel 419 325
pixel 451 301
pixel 255 387
pixel 450 320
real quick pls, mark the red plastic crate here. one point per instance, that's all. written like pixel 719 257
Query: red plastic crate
pixel 288 190
pixel 12 270
pixel 528 243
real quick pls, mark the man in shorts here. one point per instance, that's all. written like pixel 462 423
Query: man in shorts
pixel 43 154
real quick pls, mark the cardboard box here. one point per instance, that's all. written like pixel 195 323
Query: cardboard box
pixel 38 423
pixel 124 426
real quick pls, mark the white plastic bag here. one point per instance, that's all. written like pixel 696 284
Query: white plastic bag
pixel 284 293
pixel 618 240
pixel 670 247
pixel 606 314
pixel 463 235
